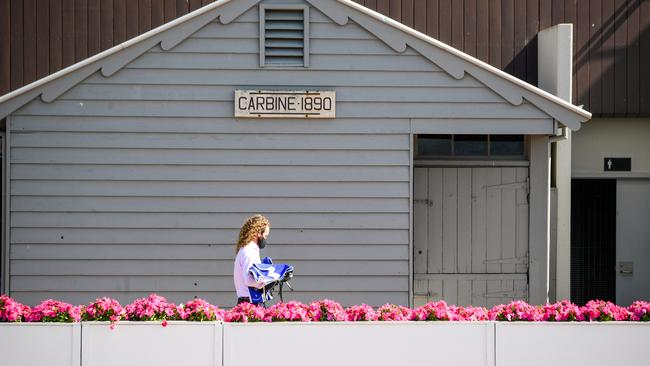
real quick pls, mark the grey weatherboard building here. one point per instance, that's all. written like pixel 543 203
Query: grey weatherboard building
pixel 127 173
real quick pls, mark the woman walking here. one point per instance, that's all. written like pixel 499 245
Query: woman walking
pixel 252 238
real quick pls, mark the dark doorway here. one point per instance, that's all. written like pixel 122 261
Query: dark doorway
pixel 593 240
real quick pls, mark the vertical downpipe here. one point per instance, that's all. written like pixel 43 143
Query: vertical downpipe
pixel 411 137
pixel 6 192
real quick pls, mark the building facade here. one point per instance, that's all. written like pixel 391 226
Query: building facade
pixel 129 173
pixel 611 43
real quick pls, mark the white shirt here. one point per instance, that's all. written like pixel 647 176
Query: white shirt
pixel 246 257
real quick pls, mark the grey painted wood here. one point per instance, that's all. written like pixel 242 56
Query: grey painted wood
pixel 344 109
pixel 539 220
pixel 420 218
pixel 199 267
pixel 207 156
pixel 220 173
pixel 493 220
pixel 252 16
pixel 318 30
pixel 475 290
pixel 473 229
pixel 210 189
pixel 519 126
pixel 318 46
pixel 399 39
pixel 479 220
pixel 91 91
pixel 279 251
pixel 207 61
pixel 471 276
pixel 434 224
pixel 204 236
pixel 464 227
pixel 200 283
pixel 338 220
pixel 450 223
pixel 224 299
pixel 208 125
pixel 211 141
pixel 287 78
pixel 522 223
pixel 206 205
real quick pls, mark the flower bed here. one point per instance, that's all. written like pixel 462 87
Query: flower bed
pixel 157 308
pixel 152 331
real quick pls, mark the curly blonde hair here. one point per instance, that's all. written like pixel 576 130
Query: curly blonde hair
pixel 254 225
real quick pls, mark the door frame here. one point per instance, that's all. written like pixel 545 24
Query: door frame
pixel 538 156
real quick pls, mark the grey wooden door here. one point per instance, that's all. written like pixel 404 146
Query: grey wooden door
pixel 470 235
pixel 632 240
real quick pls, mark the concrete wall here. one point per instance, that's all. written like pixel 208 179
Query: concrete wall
pixel 605 137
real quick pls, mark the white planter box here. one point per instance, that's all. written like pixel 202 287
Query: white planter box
pixel 360 343
pixel 149 343
pixel 610 343
pixel 52 344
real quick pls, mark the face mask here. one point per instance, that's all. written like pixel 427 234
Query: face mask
pixel 261 242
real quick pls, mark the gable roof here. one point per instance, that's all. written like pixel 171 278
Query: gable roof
pixel 394 34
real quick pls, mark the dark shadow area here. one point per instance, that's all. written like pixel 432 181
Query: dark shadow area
pixel 593 240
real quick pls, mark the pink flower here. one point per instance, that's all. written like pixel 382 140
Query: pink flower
pixel 361 312
pixel 104 309
pixel 326 311
pixel 55 311
pixel 390 312
pixel 153 307
pixel 599 310
pixel 432 311
pixel 441 311
pixel 244 313
pixel 12 311
pixel 561 311
pixel 200 310
pixel 515 311
pixel 291 311
pixel 640 311
pixel 469 313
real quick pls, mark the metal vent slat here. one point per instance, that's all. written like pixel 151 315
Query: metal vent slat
pixel 284 37
pixel 284 52
pixel 283 43
pixel 277 60
pixel 284 15
pixel 283 25
pixel 284 34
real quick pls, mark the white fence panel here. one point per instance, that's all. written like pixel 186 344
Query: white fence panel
pixel 40 344
pixel 390 343
pixel 149 343
pixel 543 344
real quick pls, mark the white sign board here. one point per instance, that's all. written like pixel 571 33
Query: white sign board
pixel 285 104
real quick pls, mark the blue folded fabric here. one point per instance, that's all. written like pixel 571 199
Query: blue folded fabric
pixel 266 273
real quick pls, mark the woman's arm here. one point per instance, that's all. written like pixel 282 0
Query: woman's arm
pixel 249 259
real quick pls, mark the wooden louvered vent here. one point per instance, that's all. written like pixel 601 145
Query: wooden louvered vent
pixel 284 37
